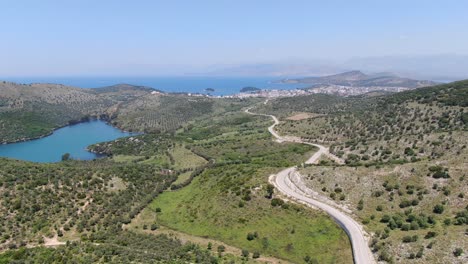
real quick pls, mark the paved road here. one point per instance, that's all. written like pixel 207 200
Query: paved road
pixel 284 182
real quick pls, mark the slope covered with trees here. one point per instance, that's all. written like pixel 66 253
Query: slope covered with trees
pixel 406 161
pixel 35 110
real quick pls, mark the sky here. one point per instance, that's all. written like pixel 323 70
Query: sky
pixel 144 37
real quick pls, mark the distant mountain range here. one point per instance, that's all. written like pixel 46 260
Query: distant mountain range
pixel 272 69
pixel 359 79
pixel 442 67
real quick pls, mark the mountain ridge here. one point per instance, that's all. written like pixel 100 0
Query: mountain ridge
pixel 357 78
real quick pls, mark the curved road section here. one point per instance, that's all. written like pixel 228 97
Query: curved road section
pixel 283 181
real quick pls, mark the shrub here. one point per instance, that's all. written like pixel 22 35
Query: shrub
pixel 276 202
pixel 269 191
pixel 430 234
pixel 360 205
pixel 438 209
pixel 409 239
pixel 461 218
pixel 458 252
pixel 65 156
pixel 405 227
pixel 414 225
pixel 405 203
pixel 221 249
pixel 385 219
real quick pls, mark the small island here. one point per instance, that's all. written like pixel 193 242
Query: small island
pixel 250 89
pixel 210 90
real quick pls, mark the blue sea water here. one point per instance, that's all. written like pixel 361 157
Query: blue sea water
pixel 189 84
pixel 71 139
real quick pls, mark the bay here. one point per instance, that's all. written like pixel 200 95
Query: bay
pixel 71 139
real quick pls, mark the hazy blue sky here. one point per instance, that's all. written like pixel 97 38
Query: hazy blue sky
pixel 155 37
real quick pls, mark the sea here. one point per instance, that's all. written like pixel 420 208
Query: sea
pixel 187 84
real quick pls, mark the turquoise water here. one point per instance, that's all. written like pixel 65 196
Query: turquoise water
pixel 71 139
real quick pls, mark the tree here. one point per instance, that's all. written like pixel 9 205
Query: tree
pixel 245 253
pixel 65 156
pixel 458 252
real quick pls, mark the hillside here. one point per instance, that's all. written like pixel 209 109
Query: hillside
pixel 359 79
pixel 406 158
pixel 200 174
pixel 221 194
pixel 35 110
pixel 30 111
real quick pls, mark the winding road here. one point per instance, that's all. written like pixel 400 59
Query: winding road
pixel 289 183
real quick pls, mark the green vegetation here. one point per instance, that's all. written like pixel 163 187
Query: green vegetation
pixel 230 200
pixel 31 211
pixel 127 247
pixel 201 170
pixel 31 111
pixel 405 167
pixel 398 128
pixel 89 211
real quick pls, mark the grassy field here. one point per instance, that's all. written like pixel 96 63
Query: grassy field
pixel 291 233
pixel 144 222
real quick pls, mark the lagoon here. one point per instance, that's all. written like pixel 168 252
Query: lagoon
pixel 71 139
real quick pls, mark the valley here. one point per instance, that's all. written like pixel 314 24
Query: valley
pixel 208 173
